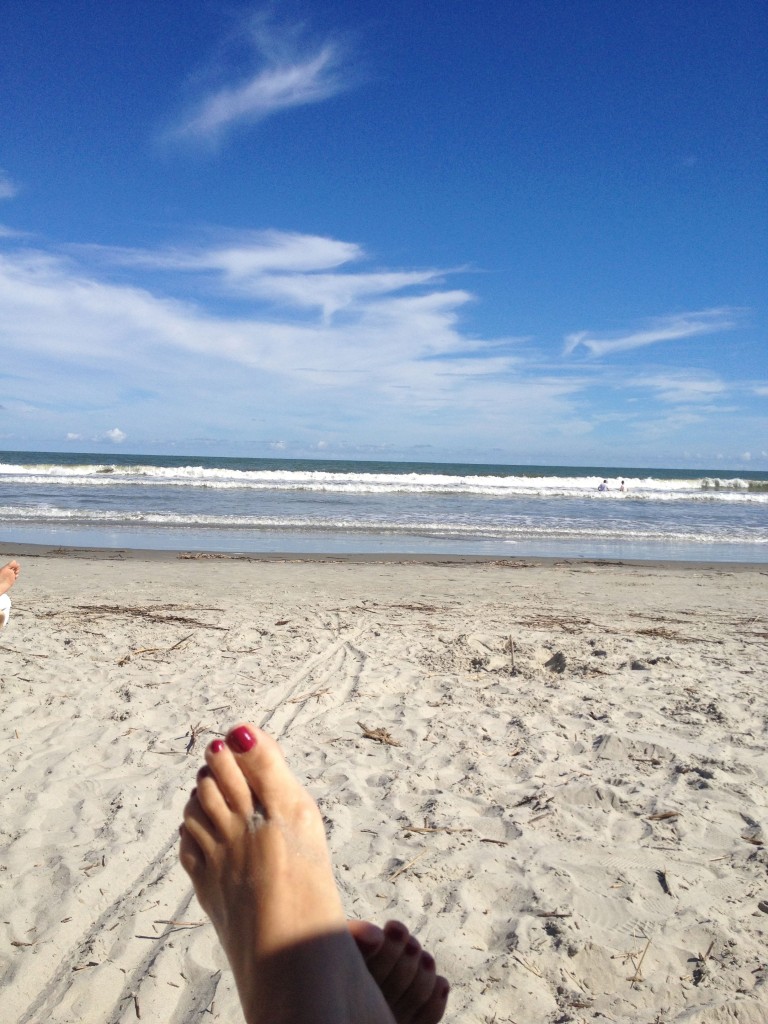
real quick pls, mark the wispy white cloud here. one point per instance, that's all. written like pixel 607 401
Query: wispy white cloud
pixel 240 255
pixel 681 387
pixel 285 73
pixel 7 188
pixel 314 334
pixel 665 328
pixel 278 336
pixel 390 319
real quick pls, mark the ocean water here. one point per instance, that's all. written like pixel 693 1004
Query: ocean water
pixel 268 505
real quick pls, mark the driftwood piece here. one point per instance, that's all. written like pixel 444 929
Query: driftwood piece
pixel 380 735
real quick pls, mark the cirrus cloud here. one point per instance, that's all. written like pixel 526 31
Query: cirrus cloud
pixel 664 328
pixel 285 73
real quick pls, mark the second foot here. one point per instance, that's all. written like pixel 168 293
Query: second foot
pixel 404 972
pixel 8 575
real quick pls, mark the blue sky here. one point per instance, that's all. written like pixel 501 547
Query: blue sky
pixel 529 231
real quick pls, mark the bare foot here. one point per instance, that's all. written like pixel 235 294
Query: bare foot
pixel 8 575
pixel 254 846
pixel 404 972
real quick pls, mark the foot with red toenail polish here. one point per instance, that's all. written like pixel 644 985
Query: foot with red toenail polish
pixel 406 975
pixel 253 843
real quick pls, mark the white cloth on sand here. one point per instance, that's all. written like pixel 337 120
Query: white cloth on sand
pixel 5 609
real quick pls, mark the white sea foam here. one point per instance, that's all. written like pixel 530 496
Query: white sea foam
pixel 707 489
pixel 507 531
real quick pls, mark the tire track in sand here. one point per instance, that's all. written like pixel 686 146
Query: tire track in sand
pixel 336 671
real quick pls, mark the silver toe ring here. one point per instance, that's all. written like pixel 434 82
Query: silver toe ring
pixel 256 820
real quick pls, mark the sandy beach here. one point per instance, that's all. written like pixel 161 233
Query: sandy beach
pixel 554 772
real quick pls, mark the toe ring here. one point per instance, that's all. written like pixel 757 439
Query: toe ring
pixel 256 820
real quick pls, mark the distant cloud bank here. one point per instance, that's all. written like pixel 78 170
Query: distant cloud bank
pixel 279 334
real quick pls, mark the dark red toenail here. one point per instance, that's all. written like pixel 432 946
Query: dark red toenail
pixel 193 793
pixel 411 947
pixel 445 990
pixel 217 746
pixel 396 932
pixel 205 771
pixel 427 962
pixel 241 740
pixel 367 945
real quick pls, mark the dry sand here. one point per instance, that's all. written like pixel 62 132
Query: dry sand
pixel 571 814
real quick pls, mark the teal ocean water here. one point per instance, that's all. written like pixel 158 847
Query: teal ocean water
pixel 248 505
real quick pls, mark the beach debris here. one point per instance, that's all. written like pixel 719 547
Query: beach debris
pixel 304 697
pixel 153 650
pixel 426 829
pixel 156 613
pixel 282 622
pixel 701 970
pixel 380 735
pixel 751 838
pixel 180 924
pixel 662 633
pixel 194 732
pixel 763 905
pixel 27 654
pixel 399 871
pixel 664 882
pixel 538 817
pixel 637 977
pixel 528 966
pixel 599 654
pixel 511 649
pixel 663 816
pixel 566 624
pixel 556 663
pixel 638 666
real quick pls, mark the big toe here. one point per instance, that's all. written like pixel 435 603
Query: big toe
pixel 264 767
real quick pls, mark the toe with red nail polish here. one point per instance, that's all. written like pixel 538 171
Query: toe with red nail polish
pixel 241 740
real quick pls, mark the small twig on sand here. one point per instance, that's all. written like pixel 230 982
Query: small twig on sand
pixel 432 828
pixel 701 969
pixel 304 697
pixel 26 654
pixel 637 976
pixel 194 732
pixel 153 650
pixel 529 967
pixel 181 924
pixel 405 867
pixel 380 735
pixel 511 649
